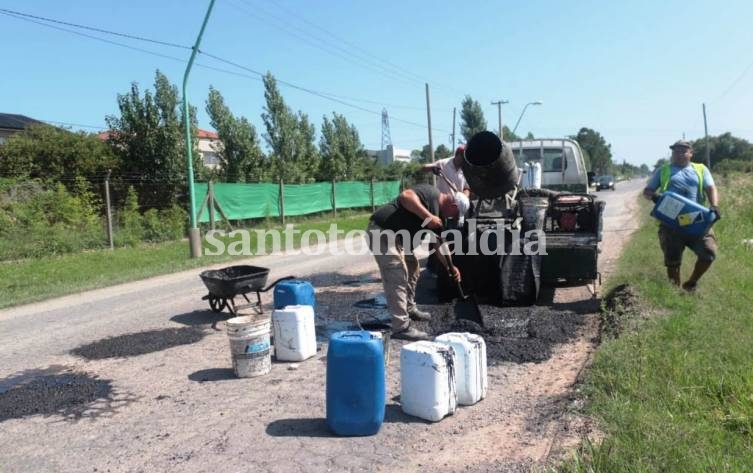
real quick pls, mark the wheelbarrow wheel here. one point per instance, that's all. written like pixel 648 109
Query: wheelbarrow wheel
pixel 217 304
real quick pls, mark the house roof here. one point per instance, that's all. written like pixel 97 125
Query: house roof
pixel 11 121
pixel 211 135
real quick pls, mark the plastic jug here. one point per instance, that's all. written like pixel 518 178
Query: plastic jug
pixel 427 380
pixel 470 365
pixel 355 383
pixel 294 292
pixel 683 215
pixel 294 333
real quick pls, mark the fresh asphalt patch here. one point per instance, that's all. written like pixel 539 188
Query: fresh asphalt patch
pixel 512 334
pixel 67 394
pixel 140 343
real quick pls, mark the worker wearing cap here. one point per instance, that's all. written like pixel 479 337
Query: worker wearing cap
pixel 415 210
pixel 693 181
pixel 452 169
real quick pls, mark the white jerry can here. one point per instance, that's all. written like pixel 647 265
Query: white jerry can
pixel 470 365
pixel 427 380
pixel 294 333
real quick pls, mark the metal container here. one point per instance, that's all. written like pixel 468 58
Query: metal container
pixel 489 166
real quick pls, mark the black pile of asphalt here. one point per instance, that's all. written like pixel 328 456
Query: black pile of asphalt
pixel 512 334
pixel 67 394
pixel 140 343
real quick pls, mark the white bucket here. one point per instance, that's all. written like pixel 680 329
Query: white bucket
pixel 249 345
pixel 533 210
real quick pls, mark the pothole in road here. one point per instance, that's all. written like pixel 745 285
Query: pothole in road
pixel 140 343
pixel 68 394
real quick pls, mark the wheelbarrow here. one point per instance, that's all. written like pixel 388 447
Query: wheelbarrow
pixel 226 284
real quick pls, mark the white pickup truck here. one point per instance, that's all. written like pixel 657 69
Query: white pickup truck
pixel 558 174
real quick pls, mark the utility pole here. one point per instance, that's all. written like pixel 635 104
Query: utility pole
pixel 706 133
pixel 431 143
pixel 499 104
pixel 194 238
pixel 452 148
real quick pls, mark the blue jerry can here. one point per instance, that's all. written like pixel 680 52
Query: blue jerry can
pixel 355 383
pixel 683 215
pixel 294 292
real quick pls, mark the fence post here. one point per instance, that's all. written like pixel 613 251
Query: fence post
pixel 109 210
pixel 334 200
pixel 282 201
pixel 371 191
pixel 210 203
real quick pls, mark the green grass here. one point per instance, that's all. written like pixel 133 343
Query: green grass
pixel 676 393
pixel 36 279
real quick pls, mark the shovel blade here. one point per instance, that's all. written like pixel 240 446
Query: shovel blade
pixel 467 308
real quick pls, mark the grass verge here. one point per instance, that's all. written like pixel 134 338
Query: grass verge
pixel 36 279
pixel 676 393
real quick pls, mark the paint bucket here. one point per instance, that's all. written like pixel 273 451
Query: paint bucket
pixel 533 210
pixel 249 345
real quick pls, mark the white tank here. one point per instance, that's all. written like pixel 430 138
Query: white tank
pixel 470 365
pixel 294 333
pixel 427 380
pixel 535 177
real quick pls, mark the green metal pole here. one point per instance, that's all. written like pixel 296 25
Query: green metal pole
pixel 194 237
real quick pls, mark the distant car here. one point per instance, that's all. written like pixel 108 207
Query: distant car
pixel 605 182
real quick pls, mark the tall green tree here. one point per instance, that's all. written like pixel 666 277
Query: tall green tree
pixel 721 148
pixel 47 152
pixel 342 154
pixel 148 139
pixel 240 156
pixel 472 118
pixel 443 152
pixel 290 137
pixel 598 150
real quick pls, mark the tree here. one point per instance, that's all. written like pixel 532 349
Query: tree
pixel 472 118
pixel 443 152
pixel 509 135
pixel 342 154
pixel 148 139
pixel 290 137
pixel 47 152
pixel 599 152
pixel 240 157
pixel 721 148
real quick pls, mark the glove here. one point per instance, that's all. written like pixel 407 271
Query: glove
pixel 436 171
pixel 715 209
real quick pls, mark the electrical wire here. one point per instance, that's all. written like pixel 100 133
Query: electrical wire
pixel 326 96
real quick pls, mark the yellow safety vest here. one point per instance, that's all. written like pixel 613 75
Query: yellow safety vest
pixel 665 175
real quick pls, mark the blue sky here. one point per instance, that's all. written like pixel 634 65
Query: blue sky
pixel 635 71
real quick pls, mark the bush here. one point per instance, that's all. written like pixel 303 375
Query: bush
pixel 733 165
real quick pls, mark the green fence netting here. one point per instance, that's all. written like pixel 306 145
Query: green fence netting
pixel 245 201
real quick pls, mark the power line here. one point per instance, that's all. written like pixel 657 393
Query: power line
pixel 734 83
pixel 259 75
pixel 284 24
pixel 92 28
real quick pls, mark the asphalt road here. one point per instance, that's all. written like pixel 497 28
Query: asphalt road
pixel 181 409
pixel 37 331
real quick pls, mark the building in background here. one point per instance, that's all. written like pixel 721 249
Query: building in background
pixel 389 155
pixel 209 145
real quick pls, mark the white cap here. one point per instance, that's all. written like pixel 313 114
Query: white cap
pixel 461 200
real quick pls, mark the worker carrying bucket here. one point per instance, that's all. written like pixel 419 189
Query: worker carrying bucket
pixel 680 190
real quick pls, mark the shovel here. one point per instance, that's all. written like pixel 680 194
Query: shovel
pixel 466 307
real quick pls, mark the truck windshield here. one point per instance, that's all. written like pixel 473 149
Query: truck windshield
pixel 551 162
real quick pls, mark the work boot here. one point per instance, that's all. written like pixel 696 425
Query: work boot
pixel 416 314
pixel 690 286
pixel 411 333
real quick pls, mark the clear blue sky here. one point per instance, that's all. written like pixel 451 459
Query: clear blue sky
pixel 635 71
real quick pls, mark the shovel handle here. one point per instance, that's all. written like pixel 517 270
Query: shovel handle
pixel 450 265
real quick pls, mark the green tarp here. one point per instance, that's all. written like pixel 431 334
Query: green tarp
pixel 245 201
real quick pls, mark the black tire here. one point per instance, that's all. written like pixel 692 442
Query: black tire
pixel 217 304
